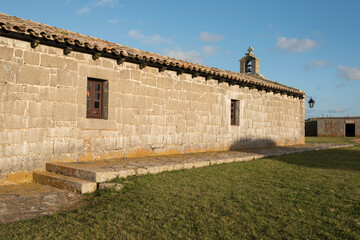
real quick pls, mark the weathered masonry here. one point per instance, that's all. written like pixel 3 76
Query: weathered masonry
pixel 333 127
pixel 69 97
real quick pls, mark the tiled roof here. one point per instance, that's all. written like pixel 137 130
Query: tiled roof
pixel 325 118
pixel 45 33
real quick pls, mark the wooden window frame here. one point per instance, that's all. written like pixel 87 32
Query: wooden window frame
pixel 234 112
pixel 93 96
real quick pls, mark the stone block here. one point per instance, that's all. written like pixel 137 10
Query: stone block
pixel 126 116
pixel 17 149
pixel 66 77
pixel 136 75
pixel 3 137
pixel 39 122
pixel 168 83
pixel 6 41
pixel 108 63
pixel 8 72
pixel 16 122
pixel 89 133
pixel 96 124
pixel 76 145
pixel 97 72
pixel 127 86
pixel 7 53
pixel 19 53
pixel 64 112
pixel 18 177
pixel 53 61
pixel 115 186
pixel 32 89
pixel 11 87
pixel 66 94
pixel 48 94
pixel 55 51
pixel 15 137
pixel 34 75
pixel 125 74
pixel 150 81
pixel 127 101
pixel 32 58
pixel 99 144
pixel 35 135
pixel 41 109
pixel 42 148
pixel 17 107
pixel 61 147
pixel 61 132
pixel 110 143
pixel 72 65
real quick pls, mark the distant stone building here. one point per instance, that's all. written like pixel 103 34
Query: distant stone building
pixel 333 127
pixel 70 97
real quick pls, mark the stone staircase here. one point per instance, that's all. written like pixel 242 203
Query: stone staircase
pixel 69 183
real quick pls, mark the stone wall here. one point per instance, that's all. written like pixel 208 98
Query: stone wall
pixel 43 111
pixel 335 127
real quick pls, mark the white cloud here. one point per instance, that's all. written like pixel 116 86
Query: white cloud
pixel 349 73
pixel 190 56
pixel 317 64
pixel 110 3
pixel 113 20
pixel 209 37
pixel 99 3
pixel 338 110
pixel 135 34
pixel 209 50
pixel 295 45
pixel 83 11
pixel 151 39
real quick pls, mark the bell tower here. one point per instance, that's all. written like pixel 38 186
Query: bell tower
pixel 249 64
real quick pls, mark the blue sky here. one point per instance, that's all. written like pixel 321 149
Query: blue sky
pixel 310 45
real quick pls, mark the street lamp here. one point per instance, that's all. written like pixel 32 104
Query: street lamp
pixel 311 103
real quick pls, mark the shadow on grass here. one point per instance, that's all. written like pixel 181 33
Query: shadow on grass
pixel 338 159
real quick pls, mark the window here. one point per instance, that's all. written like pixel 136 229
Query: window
pixel 95 99
pixel 234 112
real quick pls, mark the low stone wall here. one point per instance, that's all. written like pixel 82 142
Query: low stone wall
pixel 43 111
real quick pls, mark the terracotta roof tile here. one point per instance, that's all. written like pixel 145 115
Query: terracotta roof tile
pixel 38 30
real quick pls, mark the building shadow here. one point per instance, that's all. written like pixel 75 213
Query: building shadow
pixel 249 144
pixel 338 158
pixel 335 159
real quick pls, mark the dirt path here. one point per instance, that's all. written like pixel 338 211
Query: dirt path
pixel 29 200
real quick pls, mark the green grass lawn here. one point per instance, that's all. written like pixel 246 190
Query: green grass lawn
pixel 312 195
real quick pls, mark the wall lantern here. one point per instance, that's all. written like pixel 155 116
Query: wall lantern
pixel 311 103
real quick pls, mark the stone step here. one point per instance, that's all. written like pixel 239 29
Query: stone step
pixel 71 171
pixel 65 182
pixel 92 173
